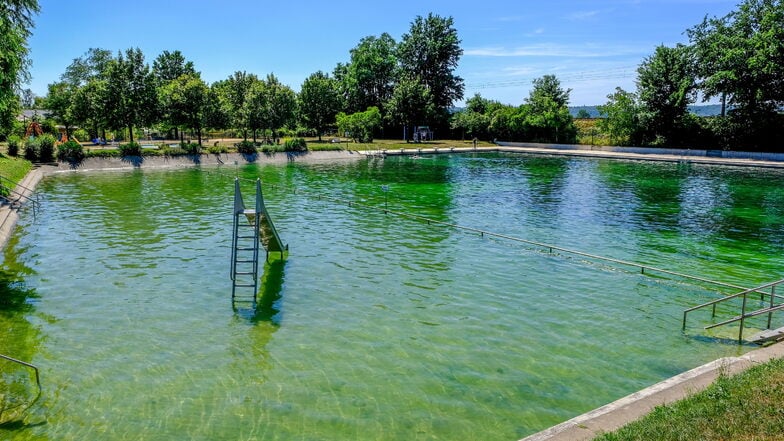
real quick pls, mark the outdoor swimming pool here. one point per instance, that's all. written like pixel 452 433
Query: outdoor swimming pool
pixel 377 327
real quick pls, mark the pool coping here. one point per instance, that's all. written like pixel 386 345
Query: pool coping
pixel 615 415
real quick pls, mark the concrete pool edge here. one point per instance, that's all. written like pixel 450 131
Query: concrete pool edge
pixel 615 415
pixel 10 216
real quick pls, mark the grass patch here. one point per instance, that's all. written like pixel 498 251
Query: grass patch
pixel 747 406
pixel 13 168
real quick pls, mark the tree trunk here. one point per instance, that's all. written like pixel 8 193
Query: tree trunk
pixel 130 133
pixel 198 134
pixel 254 136
pixel 176 132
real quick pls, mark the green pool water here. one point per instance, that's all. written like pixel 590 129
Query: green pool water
pixel 377 327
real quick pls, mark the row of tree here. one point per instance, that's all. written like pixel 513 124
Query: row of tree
pixel 407 83
pixel 738 58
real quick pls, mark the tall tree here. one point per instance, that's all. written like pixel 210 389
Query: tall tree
pixel 429 53
pixel 411 103
pixel 16 22
pixel 169 66
pixel 319 101
pixel 60 101
pixel 232 92
pixel 740 58
pixel 280 105
pixel 185 99
pixel 547 117
pixel 548 87
pixel 666 86
pixel 368 79
pixel 621 117
pixel 91 65
pixel 130 96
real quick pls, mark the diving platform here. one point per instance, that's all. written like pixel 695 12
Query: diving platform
pixel 253 230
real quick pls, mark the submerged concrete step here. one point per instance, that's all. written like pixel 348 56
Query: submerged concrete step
pixel 768 335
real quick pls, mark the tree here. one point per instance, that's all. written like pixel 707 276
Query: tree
pixel 130 95
pixel 232 93
pixel 368 79
pixel 169 66
pixel 428 54
pixel 16 22
pixel 60 101
pixel 665 87
pixel 319 101
pixel 547 118
pixel 411 103
pixel 93 64
pixel 360 125
pixel 280 105
pixel 622 121
pixel 88 107
pixel 548 87
pixel 740 58
pixel 185 99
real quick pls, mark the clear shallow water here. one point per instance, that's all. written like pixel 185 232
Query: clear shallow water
pixel 377 327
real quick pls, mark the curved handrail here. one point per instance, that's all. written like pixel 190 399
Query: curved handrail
pixel 37 382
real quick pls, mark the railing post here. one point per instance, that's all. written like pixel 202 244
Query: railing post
pixel 742 319
pixel 772 297
pixel 684 320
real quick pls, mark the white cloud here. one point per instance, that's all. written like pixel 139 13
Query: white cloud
pixel 551 50
pixel 582 15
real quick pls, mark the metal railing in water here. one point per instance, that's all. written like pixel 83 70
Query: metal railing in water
pixel 26 195
pixel 37 382
pixel 770 309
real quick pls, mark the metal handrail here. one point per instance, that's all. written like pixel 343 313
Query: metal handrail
pixel 20 195
pixel 743 314
pixel 37 380
pixel 730 297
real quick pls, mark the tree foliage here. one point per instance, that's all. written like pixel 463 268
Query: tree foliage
pixel 169 66
pixel 621 118
pixel 320 101
pixel 369 78
pixel 666 86
pixel 360 125
pixel 411 104
pixel 16 23
pixel 185 99
pixel 130 96
pixel 429 54
pixel 740 58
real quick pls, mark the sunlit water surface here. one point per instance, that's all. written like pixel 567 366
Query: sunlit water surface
pixel 377 327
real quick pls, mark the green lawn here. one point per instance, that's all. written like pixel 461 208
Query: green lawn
pixel 748 406
pixel 14 169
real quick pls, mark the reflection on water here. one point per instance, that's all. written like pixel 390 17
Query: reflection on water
pixel 377 326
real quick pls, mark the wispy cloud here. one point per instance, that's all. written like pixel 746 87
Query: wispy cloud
pixel 550 50
pixel 582 15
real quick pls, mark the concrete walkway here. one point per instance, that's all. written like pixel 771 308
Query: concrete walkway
pixel 632 407
pixel 587 152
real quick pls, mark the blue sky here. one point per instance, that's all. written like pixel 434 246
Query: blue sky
pixel 592 46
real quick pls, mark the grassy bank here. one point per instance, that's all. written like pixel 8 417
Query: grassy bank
pixel 747 406
pixel 14 168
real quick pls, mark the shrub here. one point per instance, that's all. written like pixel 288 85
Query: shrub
pixel 296 145
pixel 31 149
pixel 215 149
pixel 81 135
pixel 246 147
pixel 271 148
pixel 191 148
pixel 46 148
pixel 70 151
pixel 130 149
pixel 13 145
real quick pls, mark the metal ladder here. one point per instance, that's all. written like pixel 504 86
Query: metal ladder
pixel 253 229
pixel 771 305
pixel 245 247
